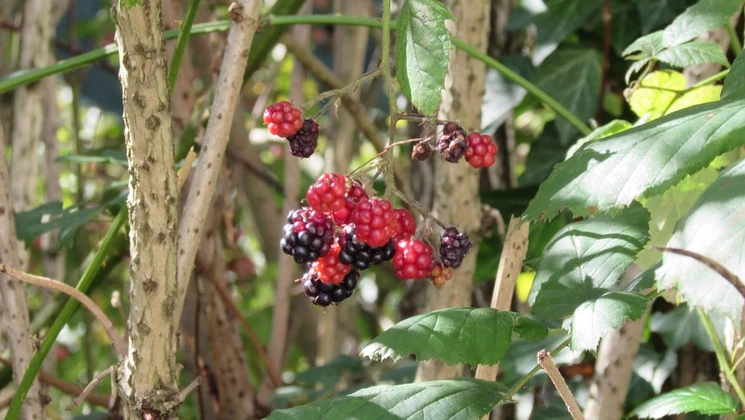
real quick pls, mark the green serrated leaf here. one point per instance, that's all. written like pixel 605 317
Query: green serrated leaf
pixel 422 52
pixel 594 319
pixel 558 19
pixel 702 397
pixel 714 228
pixel 608 174
pixel 654 367
pixel 613 127
pixel 585 260
pixel 647 46
pixel 29 225
pixel 656 92
pixel 693 53
pixel 454 335
pixel 544 153
pixel 698 19
pixel 667 209
pixel 643 281
pixel 572 77
pixel 330 374
pixel 734 83
pixel 635 67
pixel 458 399
pixel 625 27
pixel 701 95
pixel 682 326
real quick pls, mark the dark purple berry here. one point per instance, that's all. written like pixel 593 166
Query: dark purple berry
pixel 359 254
pixel 307 236
pixel 304 142
pixel 324 294
pixel 453 247
pixel 452 143
pixel 324 299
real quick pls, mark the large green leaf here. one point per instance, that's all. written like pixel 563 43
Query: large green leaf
pixel 585 260
pixel 609 129
pixel 625 25
pixel 608 174
pixel 682 326
pixel 454 335
pixel 458 399
pixel 734 84
pixel 559 18
pixel 656 92
pixel 698 19
pixel 647 46
pixel 702 397
pixel 544 153
pixel 594 319
pixel 693 53
pixel 700 95
pixel 572 77
pixel 422 52
pixel 653 13
pixel 715 229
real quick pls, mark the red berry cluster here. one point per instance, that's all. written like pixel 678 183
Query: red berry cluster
pixel 286 121
pixel 349 231
pixel 481 151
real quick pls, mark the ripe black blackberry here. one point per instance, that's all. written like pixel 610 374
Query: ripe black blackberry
pixel 452 143
pixel 304 142
pixel 307 236
pixel 324 294
pixel 453 247
pixel 359 254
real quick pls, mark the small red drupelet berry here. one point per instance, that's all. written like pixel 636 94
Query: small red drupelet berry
pixel 440 275
pixel 481 151
pixel 283 119
pixel 406 224
pixel 354 194
pixel 413 259
pixel 327 193
pixel 329 269
pixel 375 221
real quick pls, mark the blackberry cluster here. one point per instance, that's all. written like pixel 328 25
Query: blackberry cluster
pixel 453 247
pixel 452 143
pixel 324 294
pixel 360 255
pixel 307 236
pixel 303 143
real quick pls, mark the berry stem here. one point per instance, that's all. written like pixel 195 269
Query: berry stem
pixel 420 208
pixel 344 90
pixel 418 117
pixel 384 151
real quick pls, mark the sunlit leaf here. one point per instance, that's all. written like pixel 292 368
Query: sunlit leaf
pixel 594 319
pixel 702 397
pixel 702 17
pixel 693 53
pixel 656 93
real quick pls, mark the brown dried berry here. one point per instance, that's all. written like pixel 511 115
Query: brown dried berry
pixel 452 143
pixel 421 151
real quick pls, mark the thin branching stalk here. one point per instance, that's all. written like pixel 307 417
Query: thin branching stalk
pixel 721 353
pixel 548 365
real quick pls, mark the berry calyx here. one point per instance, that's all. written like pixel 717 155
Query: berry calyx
pixel 307 236
pixel 453 247
pixel 375 221
pixel 452 142
pixel 327 193
pixel 413 259
pixel 283 119
pixel 303 143
pixel 406 224
pixel 329 268
pixel 354 194
pixel 440 275
pixel 361 255
pixel 481 151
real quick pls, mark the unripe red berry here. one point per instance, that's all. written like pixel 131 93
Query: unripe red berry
pixel 283 119
pixel 327 193
pixel 413 259
pixel 481 151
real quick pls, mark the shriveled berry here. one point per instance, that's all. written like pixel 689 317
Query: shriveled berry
pixel 330 269
pixel 452 142
pixel 307 236
pixel 406 224
pixel 354 194
pixel 375 221
pixel 440 275
pixel 453 247
pixel 283 119
pixel 361 255
pixel 327 193
pixel 481 151
pixel 413 259
pixel 421 151
pixel 303 143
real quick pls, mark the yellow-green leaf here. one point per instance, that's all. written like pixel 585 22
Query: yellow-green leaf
pixel 697 96
pixel 657 91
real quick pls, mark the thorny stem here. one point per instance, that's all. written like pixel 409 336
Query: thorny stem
pixel 345 90
pixel 420 208
pixel 547 363
pixel 524 380
pixel 116 340
pixel 724 365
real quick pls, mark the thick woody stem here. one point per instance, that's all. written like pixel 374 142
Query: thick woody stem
pixel 547 363
pixel 148 378
pixel 245 16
